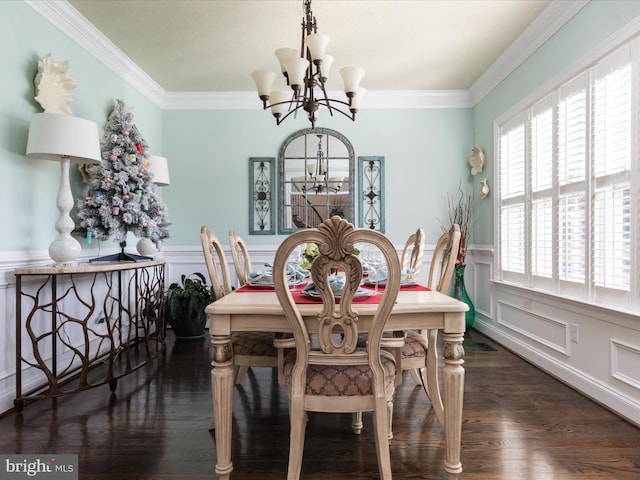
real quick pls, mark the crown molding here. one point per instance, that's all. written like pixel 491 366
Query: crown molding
pixel 62 15
pixel 541 29
pixel 66 18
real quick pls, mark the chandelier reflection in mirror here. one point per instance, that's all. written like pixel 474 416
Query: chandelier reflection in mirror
pixel 306 72
pixel 318 180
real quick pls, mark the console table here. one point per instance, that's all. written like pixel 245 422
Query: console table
pixel 78 317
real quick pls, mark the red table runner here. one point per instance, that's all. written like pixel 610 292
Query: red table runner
pixel 302 298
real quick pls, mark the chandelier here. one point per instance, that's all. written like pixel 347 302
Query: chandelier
pixel 318 180
pixel 306 72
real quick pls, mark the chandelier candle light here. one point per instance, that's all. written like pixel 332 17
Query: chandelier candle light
pixel 306 72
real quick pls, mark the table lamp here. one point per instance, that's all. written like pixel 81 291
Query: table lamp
pixel 66 139
pixel 159 168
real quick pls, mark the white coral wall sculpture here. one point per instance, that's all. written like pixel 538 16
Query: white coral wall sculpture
pixel 484 188
pixel 476 160
pixel 52 86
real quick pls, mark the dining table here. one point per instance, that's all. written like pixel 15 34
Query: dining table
pixel 257 309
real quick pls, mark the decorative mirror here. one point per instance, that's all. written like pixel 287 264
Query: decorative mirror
pixel 316 168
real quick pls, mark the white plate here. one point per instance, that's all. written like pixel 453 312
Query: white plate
pixel 406 281
pixel 361 294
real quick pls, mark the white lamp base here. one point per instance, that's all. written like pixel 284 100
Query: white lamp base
pixel 146 247
pixel 65 249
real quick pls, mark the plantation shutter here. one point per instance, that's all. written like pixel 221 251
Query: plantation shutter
pixel 612 146
pixel 568 186
pixel 572 187
pixel 541 238
pixel 512 218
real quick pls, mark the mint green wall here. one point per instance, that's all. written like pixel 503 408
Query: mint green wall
pixel 208 151
pixel 28 187
pixel 582 34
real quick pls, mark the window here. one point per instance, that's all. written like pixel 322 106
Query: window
pixel 567 192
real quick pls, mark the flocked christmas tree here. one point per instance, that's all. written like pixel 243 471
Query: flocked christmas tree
pixel 122 196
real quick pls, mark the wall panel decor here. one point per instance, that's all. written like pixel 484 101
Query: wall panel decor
pixel 261 188
pixel 371 193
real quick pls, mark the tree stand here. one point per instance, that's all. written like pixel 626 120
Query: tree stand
pixel 121 257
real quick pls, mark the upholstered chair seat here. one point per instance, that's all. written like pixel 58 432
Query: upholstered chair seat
pixel 415 345
pixel 342 380
pixel 254 344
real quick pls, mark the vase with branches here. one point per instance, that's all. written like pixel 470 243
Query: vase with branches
pixel 459 210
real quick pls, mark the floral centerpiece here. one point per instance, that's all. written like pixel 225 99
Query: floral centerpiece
pixel 308 254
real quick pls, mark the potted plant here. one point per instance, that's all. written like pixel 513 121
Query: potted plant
pixel 185 303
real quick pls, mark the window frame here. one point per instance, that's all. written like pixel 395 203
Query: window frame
pixel 523 115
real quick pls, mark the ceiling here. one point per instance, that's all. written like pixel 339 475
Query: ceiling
pixel 214 45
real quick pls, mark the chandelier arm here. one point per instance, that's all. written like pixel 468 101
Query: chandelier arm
pixel 279 120
pixel 326 98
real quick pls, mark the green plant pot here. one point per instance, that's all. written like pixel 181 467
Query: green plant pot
pixel 187 319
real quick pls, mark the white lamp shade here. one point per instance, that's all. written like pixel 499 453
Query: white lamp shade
pixel 317 45
pixel 351 77
pixel 159 169
pixel 296 68
pixel 277 97
pixel 356 100
pixel 283 53
pixel 264 80
pixel 325 67
pixel 54 135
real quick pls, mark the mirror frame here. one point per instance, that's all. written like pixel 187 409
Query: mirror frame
pixel 282 228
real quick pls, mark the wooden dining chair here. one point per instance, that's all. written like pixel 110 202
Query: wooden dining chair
pixel 419 354
pixel 250 349
pixel 412 253
pixel 331 374
pixel 240 256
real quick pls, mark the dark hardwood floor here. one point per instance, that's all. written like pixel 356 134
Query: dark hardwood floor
pixel 519 423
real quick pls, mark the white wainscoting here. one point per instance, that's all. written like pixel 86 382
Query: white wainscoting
pixel 603 359
pixel 604 364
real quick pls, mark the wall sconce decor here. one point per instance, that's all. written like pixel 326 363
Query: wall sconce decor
pixel 476 160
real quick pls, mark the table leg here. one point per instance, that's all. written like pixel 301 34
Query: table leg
pixel 222 391
pixel 453 380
